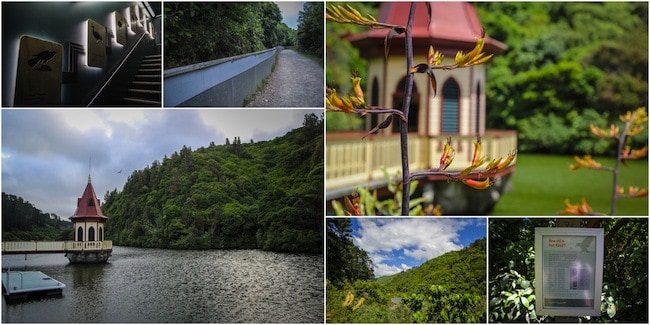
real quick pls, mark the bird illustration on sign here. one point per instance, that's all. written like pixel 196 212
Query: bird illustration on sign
pixel 584 245
pixel 39 62
pixel 98 38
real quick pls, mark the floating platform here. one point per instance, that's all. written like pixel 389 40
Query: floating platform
pixel 27 284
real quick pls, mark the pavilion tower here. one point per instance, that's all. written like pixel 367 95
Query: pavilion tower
pixel 89 229
pixel 459 106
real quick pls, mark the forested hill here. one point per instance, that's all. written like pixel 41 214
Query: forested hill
pixel 450 288
pixel 458 271
pixel 21 220
pixel 266 195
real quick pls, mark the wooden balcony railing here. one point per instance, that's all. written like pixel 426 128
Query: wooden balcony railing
pixel 351 161
pixel 43 247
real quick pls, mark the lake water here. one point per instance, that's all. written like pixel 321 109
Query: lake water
pixel 154 285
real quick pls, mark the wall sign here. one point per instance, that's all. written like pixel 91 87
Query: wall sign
pixel 568 271
pixel 120 28
pixel 96 44
pixel 39 73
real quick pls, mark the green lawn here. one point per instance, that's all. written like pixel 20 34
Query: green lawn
pixel 542 182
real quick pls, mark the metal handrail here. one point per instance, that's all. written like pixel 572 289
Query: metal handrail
pixel 116 70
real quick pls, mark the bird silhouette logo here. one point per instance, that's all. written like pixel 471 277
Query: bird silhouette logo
pixel 39 62
pixel 98 37
pixel 584 245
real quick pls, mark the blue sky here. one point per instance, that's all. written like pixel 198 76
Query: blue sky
pixel 45 152
pixel 398 244
pixel 290 12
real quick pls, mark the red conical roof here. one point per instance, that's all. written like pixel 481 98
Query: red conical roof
pixel 88 206
pixel 454 26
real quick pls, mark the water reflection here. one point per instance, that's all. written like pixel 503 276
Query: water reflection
pixel 151 285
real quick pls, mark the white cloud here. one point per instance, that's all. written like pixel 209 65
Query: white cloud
pixel 418 239
pixel 384 269
pixel 49 149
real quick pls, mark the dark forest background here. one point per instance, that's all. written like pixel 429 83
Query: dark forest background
pixel 204 31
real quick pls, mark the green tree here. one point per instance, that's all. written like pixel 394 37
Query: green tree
pixel 203 31
pixel 345 262
pixel 266 195
pixel 309 36
pixel 564 59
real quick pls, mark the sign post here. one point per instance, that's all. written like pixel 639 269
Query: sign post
pixel 568 271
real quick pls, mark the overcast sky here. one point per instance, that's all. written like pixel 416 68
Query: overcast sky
pixel 290 12
pixel 398 244
pixel 45 153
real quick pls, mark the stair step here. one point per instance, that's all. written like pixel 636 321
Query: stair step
pixel 146 84
pixel 147 77
pixel 145 91
pixel 145 94
pixel 143 102
pixel 152 85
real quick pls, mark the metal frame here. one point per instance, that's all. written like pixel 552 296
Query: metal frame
pixel 570 245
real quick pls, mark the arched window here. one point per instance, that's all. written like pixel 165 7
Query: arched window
pixel 477 123
pixel 91 234
pixel 101 234
pixel 80 234
pixel 450 106
pixel 414 108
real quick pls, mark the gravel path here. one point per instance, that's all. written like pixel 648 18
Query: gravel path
pixel 296 82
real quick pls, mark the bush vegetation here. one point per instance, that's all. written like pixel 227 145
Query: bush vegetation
pixel 448 288
pixel 203 31
pixel 512 270
pixel 568 65
pixel 266 195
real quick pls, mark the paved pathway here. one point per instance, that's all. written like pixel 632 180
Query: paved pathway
pixel 296 82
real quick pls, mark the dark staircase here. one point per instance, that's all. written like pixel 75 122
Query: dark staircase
pixel 145 87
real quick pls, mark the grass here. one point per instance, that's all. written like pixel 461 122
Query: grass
pixel 542 182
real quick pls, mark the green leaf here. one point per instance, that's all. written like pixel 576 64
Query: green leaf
pixel 611 311
pixel 525 302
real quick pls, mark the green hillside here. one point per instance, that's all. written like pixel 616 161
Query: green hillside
pixel 21 220
pixel 266 195
pixel 448 288
pixel 462 271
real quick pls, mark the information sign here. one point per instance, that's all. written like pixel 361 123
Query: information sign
pixel 568 271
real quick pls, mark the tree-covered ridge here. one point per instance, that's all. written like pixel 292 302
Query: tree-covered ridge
pixel 459 271
pixel 203 31
pixel 568 65
pixel 21 220
pixel 266 195
pixel 448 288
